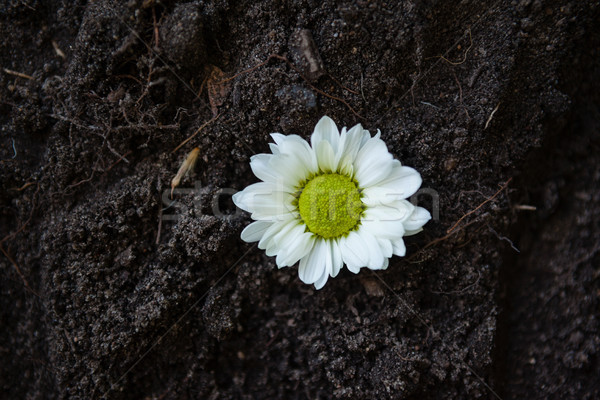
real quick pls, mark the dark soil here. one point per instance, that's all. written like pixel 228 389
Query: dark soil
pixel 110 290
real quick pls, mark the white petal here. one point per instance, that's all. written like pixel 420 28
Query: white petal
pixel 401 183
pixel 350 143
pixel 405 207
pixel 274 229
pixel 325 157
pixel 412 232
pixel 373 163
pixel 333 262
pixel 384 229
pixel 386 247
pixel 274 148
pixel 399 247
pixel 309 157
pixel 257 189
pixel 282 141
pixel 313 264
pixel 376 195
pixel 322 280
pixel 336 257
pixel 386 263
pixel 354 252
pixel 296 159
pixel 295 245
pixel 418 218
pixel 260 166
pixel 387 221
pixel 301 249
pixel 275 245
pixel 255 231
pixel 290 168
pixel 294 144
pixel 326 130
pixel 398 211
pixel 366 135
pixel 264 201
pixel 329 260
pixel 278 138
pixel 405 178
pixel 375 260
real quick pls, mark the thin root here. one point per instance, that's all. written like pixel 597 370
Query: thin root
pixel 479 206
pixel 25 186
pixel 156 35
pixel 342 86
pixel 204 125
pixel 22 227
pixel 487 123
pixel 460 95
pixel 464 56
pixel 14 149
pixel 441 239
pixel 160 214
pixel 500 237
pixel 119 160
pixel 18 271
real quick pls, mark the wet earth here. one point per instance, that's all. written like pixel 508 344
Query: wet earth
pixel 112 289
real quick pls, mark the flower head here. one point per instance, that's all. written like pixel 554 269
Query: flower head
pixel 339 200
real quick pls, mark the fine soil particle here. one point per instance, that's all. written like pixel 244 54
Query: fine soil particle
pixel 113 289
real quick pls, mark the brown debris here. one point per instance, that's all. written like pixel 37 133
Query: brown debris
pixel 218 89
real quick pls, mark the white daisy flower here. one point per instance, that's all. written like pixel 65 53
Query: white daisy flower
pixel 340 200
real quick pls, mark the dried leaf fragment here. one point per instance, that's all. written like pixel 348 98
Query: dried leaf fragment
pixel 186 166
pixel 218 88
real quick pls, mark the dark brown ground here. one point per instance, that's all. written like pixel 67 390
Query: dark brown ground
pixel 94 306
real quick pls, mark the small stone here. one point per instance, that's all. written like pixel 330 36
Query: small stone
pixel 305 55
pixel 372 287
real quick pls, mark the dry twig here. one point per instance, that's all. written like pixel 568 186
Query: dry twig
pixel 15 73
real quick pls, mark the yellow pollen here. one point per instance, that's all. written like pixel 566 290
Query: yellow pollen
pixel 330 205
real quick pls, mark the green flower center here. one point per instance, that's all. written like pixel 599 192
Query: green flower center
pixel 330 205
